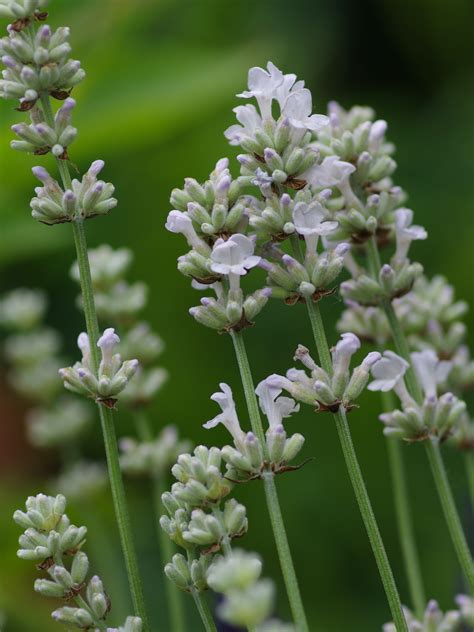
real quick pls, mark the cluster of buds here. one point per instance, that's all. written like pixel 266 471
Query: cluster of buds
pixel 22 309
pixel 116 300
pixel 83 480
pixel 436 417
pixel 60 423
pixel 357 144
pixel 112 377
pixel 247 459
pixel 88 198
pixel 215 208
pixel 153 457
pixel 48 538
pixel 119 302
pixel 203 523
pixel 220 266
pixel 32 351
pixel 279 153
pixel 22 11
pixel 430 318
pixel 328 391
pixel 434 620
pixel 39 138
pixel 248 599
pixel 38 65
pixel 395 279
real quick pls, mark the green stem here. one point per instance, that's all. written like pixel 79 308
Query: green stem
pixel 434 455
pixel 201 604
pixel 106 417
pixel 469 465
pixel 167 549
pixel 400 490
pixel 357 479
pixel 405 527
pixel 450 512
pixel 273 505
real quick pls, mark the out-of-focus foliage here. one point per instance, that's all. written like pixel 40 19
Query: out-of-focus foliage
pixel 161 80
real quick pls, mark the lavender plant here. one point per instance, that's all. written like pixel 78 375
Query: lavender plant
pixel 38 69
pixel 323 185
pixel 314 196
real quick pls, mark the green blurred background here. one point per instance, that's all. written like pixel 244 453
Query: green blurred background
pixel 161 80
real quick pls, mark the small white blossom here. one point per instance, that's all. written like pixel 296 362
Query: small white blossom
pixel 179 222
pixel 263 85
pixel 228 416
pixel 298 107
pixel 331 172
pixel 406 233
pixel 249 119
pixel 430 370
pixel 309 221
pixel 274 407
pixel 234 257
pixel 388 372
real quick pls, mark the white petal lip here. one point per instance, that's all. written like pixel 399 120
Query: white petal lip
pixel 387 372
pixel 234 255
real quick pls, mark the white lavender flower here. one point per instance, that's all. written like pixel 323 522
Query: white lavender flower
pixel 248 599
pixel 154 457
pixel 113 374
pixel 405 233
pixel 327 392
pixel 82 480
pixel 436 417
pixel 59 424
pixel 211 210
pixel 22 309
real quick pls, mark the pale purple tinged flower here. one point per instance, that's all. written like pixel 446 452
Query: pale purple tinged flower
pixel 331 172
pixel 249 120
pixel 228 416
pixel 430 370
pixel 405 233
pixel 263 86
pixel 234 256
pixel 388 371
pixel 180 222
pixel 298 107
pixel 274 407
pixel 309 220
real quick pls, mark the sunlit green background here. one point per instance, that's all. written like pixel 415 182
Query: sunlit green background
pixel 161 80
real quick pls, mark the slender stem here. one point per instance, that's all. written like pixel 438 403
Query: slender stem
pixel 469 465
pixel 106 417
pixel 400 490
pixel 357 479
pixel 405 527
pixel 201 604
pixel 273 505
pixel 450 512
pixel 167 549
pixel 434 455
